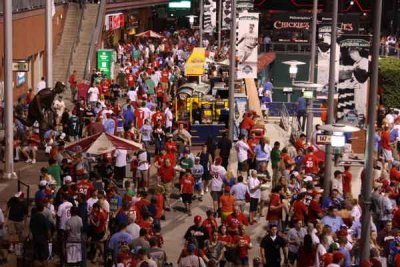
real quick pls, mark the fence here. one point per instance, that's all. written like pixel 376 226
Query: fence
pixel 25 5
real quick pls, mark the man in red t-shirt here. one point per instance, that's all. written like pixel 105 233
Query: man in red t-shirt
pixel 98 222
pixel 139 117
pixel 158 116
pixel 300 209
pixel 310 162
pixel 187 189
pixel 386 147
pixel 165 78
pixel 347 176
pixel 130 80
pixel 85 186
pixel 275 207
pixel 32 147
pixel 210 224
pixel 242 241
pixel 235 220
pixel 105 87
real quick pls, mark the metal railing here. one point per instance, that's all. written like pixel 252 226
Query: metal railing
pixel 94 39
pixel 75 43
pixel 297 48
pixel 21 184
pixel 26 5
pixel 285 118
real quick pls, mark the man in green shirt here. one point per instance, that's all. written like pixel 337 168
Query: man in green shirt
pixel 150 86
pixel 55 170
pixel 275 159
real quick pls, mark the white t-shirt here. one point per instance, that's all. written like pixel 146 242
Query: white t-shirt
pixel 242 148
pixel 93 94
pixel 132 95
pixel 90 203
pixel 40 86
pixel 133 229
pixel 253 183
pixel 146 112
pixel 168 118
pixel 356 213
pixel 338 185
pixel 120 157
pixel 219 169
pixel 64 213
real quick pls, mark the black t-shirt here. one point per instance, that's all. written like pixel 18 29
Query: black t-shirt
pixel 272 249
pixel 197 232
pixel 225 146
pixel 39 226
pixel 17 209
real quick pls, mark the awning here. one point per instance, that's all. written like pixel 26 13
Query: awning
pixel 195 64
pixel 103 143
pixel 264 60
pixel 189 89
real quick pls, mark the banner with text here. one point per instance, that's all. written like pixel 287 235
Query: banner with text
pixel 246 45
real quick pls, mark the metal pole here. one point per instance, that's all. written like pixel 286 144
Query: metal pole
pixel 8 92
pixel 232 69
pixel 331 101
pixel 201 22
pixel 310 114
pixel 369 159
pixel 219 22
pixel 49 44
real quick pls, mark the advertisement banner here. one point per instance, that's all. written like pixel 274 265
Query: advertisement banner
pixel 226 14
pixel 210 16
pixel 291 28
pixel 246 45
pixel 105 60
pixel 353 77
pixel 114 21
pixel 195 64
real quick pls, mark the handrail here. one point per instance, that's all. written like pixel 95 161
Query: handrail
pixel 94 39
pixel 75 43
pixel 28 189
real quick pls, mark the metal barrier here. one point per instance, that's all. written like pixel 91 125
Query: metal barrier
pixel 285 118
pixel 28 189
pixel 26 5
pixel 94 39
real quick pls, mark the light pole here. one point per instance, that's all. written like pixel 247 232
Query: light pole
pixel 331 100
pixel 310 104
pixel 8 91
pixel 232 70
pixel 369 158
pixel 49 43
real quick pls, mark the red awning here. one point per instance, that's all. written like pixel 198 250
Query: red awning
pixel 264 60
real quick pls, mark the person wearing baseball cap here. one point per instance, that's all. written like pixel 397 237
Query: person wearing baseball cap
pixel 197 233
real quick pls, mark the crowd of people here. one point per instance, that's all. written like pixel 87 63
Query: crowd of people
pixel 110 208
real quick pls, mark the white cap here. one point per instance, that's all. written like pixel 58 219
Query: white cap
pixel 308 179
pixel 43 183
pixel 295 174
pixel 67 179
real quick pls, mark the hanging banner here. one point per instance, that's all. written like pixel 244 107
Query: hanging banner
pixel 226 14
pixel 246 45
pixel 353 77
pixel 210 16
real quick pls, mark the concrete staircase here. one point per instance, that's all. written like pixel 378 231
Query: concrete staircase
pixel 63 51
pixel 85 37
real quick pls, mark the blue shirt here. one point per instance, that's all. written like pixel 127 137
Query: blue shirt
pixel 129 116
pixel 333 222
pixel 115 203
pixel 301 104
pixel 119 239
pixel 347 258
pixel 109 126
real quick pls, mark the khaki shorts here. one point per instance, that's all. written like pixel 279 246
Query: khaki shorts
pixel 15 230
pixel 168 188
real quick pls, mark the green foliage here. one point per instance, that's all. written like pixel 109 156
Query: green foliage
pixel 389 70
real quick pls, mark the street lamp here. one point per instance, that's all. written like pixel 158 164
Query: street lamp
pixel 191 20
pixel 293 69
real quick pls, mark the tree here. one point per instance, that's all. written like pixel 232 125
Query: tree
pixel 389 71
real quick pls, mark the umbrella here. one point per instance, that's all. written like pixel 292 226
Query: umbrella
pixel 104 143
pixel 149 34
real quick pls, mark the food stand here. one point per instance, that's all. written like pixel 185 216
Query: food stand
pixel 200 112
